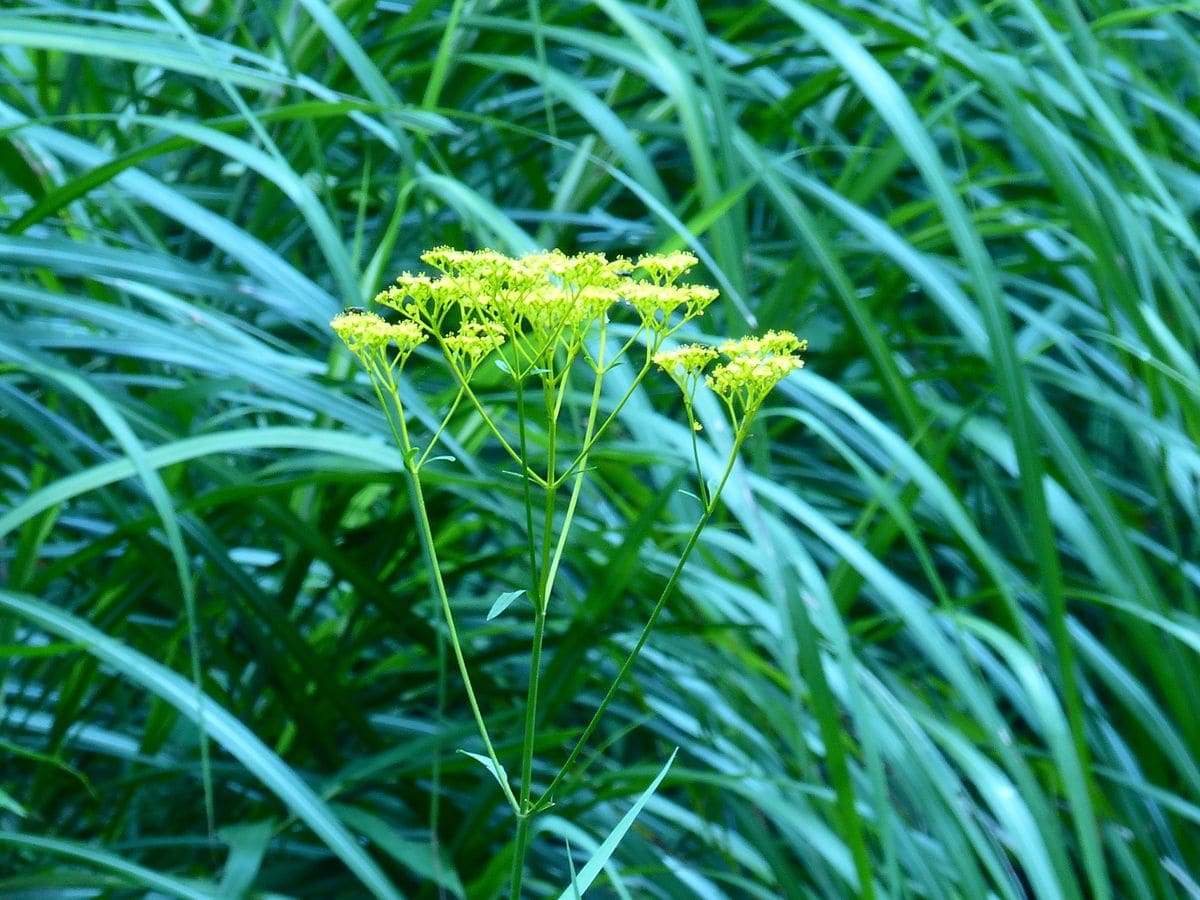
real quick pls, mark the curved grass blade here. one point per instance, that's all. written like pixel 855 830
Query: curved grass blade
pixel 224 728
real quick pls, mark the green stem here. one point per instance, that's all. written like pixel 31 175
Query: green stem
pixel 383 380
pixel 691 417
pixel 441 428
pixel 527 746
pixel 508 448
pixel 425 531
pixel 547 796
pixel 608 420
pixel 580 467
pixel 535 660
pixel 527 484
pixel 520 845
pixel 381 377
pixel 542 602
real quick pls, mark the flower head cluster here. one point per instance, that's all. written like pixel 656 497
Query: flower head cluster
pixel 473 341
pixel 540 304
pixel 752 368
pixel 773 343
pixel 367 334
pixel 749 379
pixel 656 304
pixel 665 268
pixel 687 359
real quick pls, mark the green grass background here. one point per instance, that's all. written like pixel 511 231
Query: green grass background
pixel 941 641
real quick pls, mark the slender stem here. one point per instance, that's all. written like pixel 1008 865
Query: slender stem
pixel 527 485
pixel 524 812
pixel 692 425
pixel 549 396
pixel 381 377
pixel 549 571
pixel 520 845
pixel 538 632
pixel 608 420
pixel 547 796
pixel 383 380
pixel 541 601
pixel 425 531
pixel 437 434
pixel 560 391
pixel 654 338
pixel 508 448
pixel 435 794
pixel 580 464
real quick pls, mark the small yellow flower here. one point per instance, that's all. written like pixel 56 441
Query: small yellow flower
pixel 664 268
pixel 657 303
pixel 754 367
pixel 595 300
pixel 750 379
pixel 697 298
pixel 688 358
pixel 367 333
pixel 447 259
pixel 578 271
pixel 548 308
pixel 472 342
pixel 653 301
pixel 771 343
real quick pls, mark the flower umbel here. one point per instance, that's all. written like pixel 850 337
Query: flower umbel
pixel 545 303
pixel 366 333
pixel 755 365
pixel 688 359
pixel 467 347
pixel 550 308
pixel 665 268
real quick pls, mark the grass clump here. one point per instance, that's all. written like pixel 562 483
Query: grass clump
pixel 938 637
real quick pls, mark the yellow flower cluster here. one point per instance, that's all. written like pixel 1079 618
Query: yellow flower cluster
pixel 365 332
pixel 665 268
pixel 540 302
pixel 748 377
pixel 773 343
pixel 552 309
pixel 753 366
pixel 537 311
pixel 687 359
pixel 473 341
pixel 656 303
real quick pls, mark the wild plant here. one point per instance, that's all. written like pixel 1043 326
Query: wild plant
pixel 549 321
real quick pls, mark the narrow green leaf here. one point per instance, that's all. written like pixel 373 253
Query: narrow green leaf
pixel 503 602
pixel 498 772
pixel 248 844
pixel 132 873
pixel 581 882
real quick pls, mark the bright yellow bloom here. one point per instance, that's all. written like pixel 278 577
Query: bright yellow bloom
pixel 664 268
pixel 579 270
pixel 755 366
pixel 751 378
pixel 472 342
pixel 367 333
pixel 688 358
pixel 773 342
pixel 656 303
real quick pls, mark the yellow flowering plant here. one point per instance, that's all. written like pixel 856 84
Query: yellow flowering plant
pixel 544 319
